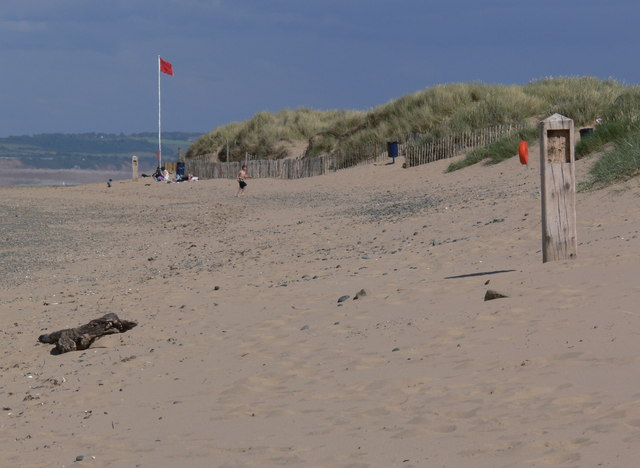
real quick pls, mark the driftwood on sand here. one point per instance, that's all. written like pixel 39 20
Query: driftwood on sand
pixel 75 339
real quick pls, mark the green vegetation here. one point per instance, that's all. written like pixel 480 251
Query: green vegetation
pixel 92 150
pixel 581 99
pixel 622 163
pixel 444 110
pixel 621 118
pixel 266 133
pixel 431 113
pixel 618 137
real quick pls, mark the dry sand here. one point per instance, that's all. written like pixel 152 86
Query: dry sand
pixel 243 356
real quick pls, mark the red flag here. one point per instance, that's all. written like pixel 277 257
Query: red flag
pixel 165 67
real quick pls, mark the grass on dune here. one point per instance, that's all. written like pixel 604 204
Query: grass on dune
pixel 621 129
pixel 619 165
pixel 262 134
pixel 445 110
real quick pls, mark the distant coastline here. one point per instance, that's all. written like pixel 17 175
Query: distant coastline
pixel 58 160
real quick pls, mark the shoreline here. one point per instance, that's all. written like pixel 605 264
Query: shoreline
pixel 20 177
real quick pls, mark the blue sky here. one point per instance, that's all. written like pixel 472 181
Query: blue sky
pixel 76 66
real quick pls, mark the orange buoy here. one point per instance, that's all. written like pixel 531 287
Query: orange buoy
pixel 523 150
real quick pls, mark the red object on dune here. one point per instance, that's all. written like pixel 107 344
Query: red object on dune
pixel 523 150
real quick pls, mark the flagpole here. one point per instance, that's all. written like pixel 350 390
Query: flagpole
pixel 159 118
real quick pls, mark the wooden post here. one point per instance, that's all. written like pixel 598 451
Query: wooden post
pixel 558 187
pixel 134 168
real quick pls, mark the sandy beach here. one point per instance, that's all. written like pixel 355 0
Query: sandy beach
pixel 243 356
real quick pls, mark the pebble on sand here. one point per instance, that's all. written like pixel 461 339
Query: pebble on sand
pixel 359 294
pixel 491 294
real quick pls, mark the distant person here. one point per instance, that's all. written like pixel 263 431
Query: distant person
pixel 165 175
pixel 109 183
pixel 242 175
pixel 184 178
pixel 157 175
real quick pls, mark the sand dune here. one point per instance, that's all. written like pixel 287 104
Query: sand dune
pixel 244 357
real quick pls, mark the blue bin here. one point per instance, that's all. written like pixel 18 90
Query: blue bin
pixel 392 149
pixel 180 169
pixel 586 132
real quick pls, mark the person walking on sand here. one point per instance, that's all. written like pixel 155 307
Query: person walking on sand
pixel 242 175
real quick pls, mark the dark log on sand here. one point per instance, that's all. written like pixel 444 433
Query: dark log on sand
pixel 75 339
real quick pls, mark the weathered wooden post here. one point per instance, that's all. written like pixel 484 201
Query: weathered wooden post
pixel 558 187
pixel 134 168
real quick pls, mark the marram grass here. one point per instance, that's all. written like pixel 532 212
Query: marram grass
pixel 446 110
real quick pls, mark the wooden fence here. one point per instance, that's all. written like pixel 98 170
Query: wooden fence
pixel 262 168
pixel 418 152
pixel 415 150
pixel 364 153
pixel 286 168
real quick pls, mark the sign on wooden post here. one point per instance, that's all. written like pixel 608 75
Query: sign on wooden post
pixel 558 187
pixel 134 168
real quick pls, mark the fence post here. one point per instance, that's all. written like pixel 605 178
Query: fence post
pixel 134 168
pixel 558 187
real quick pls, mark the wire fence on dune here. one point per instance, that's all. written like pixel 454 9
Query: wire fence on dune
pixel 414 148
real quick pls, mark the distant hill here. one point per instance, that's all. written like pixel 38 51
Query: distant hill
pixel 94 151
